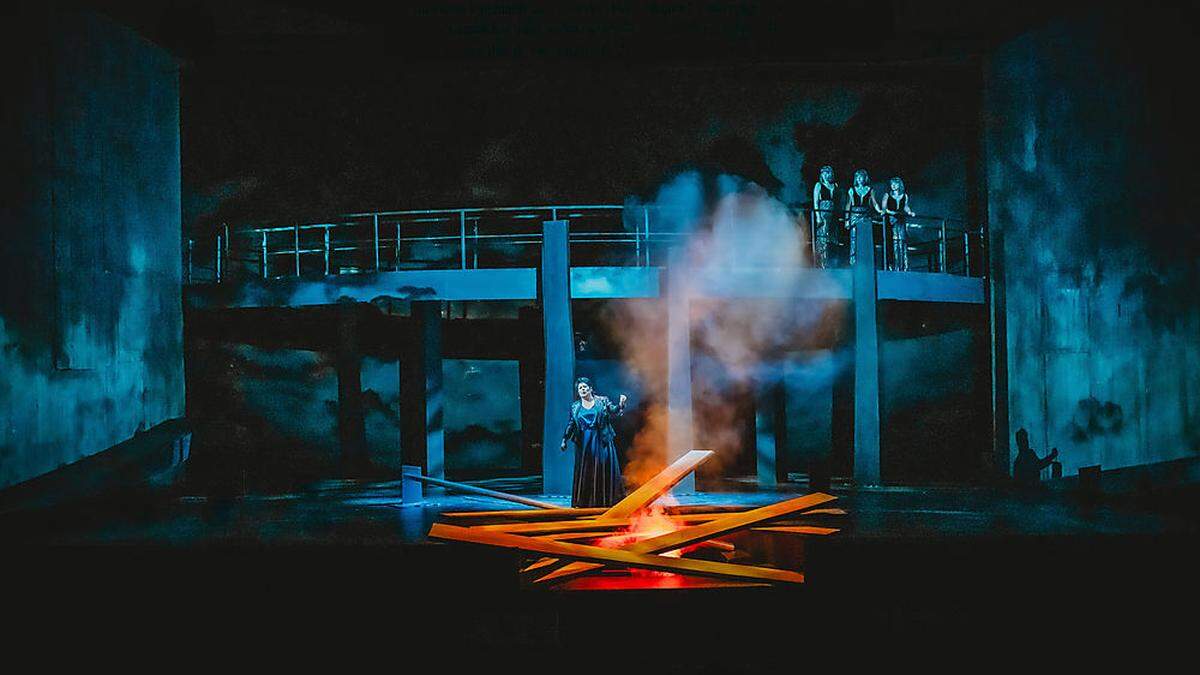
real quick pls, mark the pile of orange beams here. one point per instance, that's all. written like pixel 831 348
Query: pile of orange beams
pixel 557 539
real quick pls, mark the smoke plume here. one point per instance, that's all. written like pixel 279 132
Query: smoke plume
pixel 725 230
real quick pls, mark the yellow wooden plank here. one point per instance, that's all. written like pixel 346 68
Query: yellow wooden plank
pixel 592 512
pixel 797 529
pixel 528 514
pixel 690 535
pixel 560 549
pixel 659 485
pixel 656 487
pixel 568 536
pixel 584 524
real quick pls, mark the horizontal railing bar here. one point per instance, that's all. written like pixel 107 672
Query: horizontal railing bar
pixel 497 209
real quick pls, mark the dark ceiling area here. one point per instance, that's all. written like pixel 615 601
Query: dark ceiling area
pixel 522 31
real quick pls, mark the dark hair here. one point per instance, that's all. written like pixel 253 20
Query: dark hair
pixel 584 380
pixel 1021 433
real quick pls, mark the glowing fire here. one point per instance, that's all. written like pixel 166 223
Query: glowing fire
pixel 647 523
pixel 644 524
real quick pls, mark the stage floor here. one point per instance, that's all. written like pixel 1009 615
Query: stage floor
pixel 353 513
pixel 957 561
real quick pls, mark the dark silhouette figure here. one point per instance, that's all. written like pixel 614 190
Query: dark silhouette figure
pixel 1027 467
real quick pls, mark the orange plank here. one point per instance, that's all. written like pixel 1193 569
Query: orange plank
pixel 654 488
pixel 797 529
pixel 523 514
pixel 583 524
pixel 659 485
pixel 551 514
pixel 597 554
pixel 690 535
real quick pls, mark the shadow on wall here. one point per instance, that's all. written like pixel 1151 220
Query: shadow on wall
pixel 1088 159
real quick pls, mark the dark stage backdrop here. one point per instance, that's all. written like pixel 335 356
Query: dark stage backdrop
pixel 284 140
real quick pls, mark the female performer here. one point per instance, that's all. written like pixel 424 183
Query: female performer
pixel 598 479
pixel 895 207
pixel 860 204
pixel 823 195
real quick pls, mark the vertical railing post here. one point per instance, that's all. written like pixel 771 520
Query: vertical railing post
pixel 966 252
pixel 375 219
pixel 296 244
pixel 396 251
pixel 264 254
pixel 462 238
pixel 191 245
pixel 218 268
pixel 942 247
pixel 637 240
pixel 812 230
pixel 646 218
pixel 883 232
pixel 475 248
pixel 326 228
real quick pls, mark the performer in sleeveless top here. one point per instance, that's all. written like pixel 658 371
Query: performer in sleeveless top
pixel 823 216
pixel 860 206
pixel 895 208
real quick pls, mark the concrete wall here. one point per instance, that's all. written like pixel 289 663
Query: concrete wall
pixel 90 304
pixel 1091 201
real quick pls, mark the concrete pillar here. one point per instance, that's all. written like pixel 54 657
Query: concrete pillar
pixel 421 392
pixel 557 467
pixel 809 416
pixel 679 371
pixel 530 370
pixel 352 435
pixel 412 491
pixel 770 432
pixel 866 361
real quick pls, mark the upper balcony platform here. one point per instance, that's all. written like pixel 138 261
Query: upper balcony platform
pixel 494 254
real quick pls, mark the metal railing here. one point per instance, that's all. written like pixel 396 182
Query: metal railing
pixel 473 238
pixel 946 245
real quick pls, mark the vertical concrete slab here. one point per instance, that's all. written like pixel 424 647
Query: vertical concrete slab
pixel 430 318
pixel 421 392
pixel 557 466
pixel 770 432
pixel 352 435
pixel 866 362
pixel 531 368
pixel 679 371
pixel 91 314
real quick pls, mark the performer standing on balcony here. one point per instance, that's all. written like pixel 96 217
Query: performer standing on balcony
pixel 895 208
pixel 823 196
pixel 860 206
pixel 598 479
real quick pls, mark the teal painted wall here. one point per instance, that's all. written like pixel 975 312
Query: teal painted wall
pixel 91 322
pixel 1091 191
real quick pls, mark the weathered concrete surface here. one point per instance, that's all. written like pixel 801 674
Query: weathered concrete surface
pixel 1085 152
pixel 90 308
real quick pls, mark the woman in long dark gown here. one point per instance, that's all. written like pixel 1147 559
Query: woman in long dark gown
pixel 598 479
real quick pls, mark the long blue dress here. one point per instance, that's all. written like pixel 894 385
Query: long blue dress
pixel 598 479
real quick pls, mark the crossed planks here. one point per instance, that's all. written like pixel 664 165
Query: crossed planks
pixel 614 556
pixel 687 536
pixel 698 527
